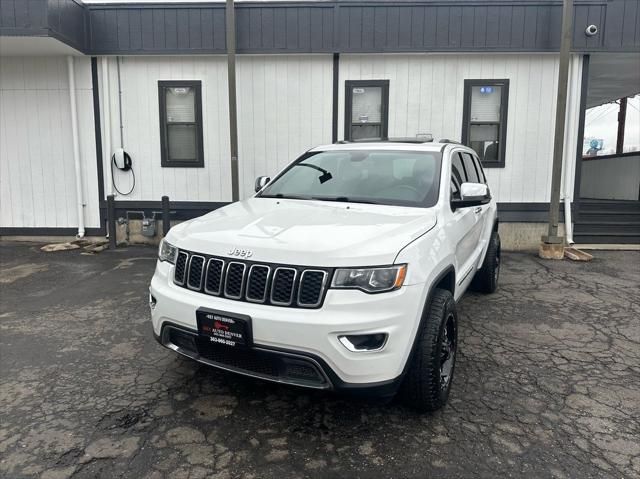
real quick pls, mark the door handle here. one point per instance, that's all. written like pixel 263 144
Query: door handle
pixel 478 210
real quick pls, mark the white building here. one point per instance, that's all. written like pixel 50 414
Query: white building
pixel 152 79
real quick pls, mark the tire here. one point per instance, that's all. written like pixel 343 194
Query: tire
pixel 486 278
pixel 428 379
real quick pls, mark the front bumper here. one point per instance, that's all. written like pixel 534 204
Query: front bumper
pixel 309 338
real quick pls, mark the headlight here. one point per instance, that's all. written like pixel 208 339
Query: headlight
pixel 167 252
pixel 370 280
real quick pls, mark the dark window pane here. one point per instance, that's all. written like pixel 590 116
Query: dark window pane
pixel 484 140
pixel 363 132
pixel 457 169
pixel 472 173
pixel 182 142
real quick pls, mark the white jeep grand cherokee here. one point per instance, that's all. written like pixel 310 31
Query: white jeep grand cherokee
pixel 341 273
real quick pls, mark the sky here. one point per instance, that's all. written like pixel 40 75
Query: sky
pixel 602 122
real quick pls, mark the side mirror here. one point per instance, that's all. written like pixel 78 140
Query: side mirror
pixel 261 182
pixel 472 194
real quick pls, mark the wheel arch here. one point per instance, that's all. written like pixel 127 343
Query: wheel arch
pixel 446 280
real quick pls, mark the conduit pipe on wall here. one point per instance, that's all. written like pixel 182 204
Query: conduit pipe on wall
pixel 570 147
pixel 106 103
pixel 76 145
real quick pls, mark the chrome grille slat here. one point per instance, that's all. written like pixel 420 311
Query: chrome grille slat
pixel 312 284
pixel 255 282
pixel 195 271
pixel 214 276
pixel 180 270
pixel 231 279
pixel 258 280
pixel 281 284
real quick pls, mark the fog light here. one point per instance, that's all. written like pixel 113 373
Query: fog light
pixel 152 301
pixel 364 342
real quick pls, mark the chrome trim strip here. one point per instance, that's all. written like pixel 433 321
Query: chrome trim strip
pixel 186 266
pixel 195 356
pixel 293 286
pixel 244 270
pixel 350 346
pixel 266 286
pixel 206 276
pixel 188 273
pixel 322 287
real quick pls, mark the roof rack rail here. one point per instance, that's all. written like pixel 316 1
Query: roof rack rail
pixel 447 140
pixel 428 139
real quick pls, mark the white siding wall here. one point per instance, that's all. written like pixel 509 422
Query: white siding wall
pixel 426 96
pixel 284 108
pixel 37 178
pixel 140 117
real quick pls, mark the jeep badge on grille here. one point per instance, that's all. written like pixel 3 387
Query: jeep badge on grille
pixel 242 253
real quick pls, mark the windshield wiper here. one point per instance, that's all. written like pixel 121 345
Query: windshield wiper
pixel 344 199
pixel 324 177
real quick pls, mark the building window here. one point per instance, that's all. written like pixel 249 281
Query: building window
pixel 612 128
pixel 181 123
pixel 484 122
pixel 366 109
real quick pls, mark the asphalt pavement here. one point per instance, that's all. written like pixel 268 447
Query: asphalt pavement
pixel 547 384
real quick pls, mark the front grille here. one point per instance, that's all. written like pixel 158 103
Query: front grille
pixel 278 285
pixel 196 270
pixel 257 285
pixel 181 267
pixel 213 283
pixel 284 280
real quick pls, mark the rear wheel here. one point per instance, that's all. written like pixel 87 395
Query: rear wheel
pixel 428 381
pixel 486 278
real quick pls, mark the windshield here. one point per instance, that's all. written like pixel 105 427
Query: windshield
pixel 405 178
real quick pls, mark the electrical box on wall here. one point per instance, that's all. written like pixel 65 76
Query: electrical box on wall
pixel 149 227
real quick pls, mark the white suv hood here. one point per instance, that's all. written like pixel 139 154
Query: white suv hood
pixel 306 233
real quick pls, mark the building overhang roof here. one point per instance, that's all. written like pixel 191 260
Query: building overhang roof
pixel 328 26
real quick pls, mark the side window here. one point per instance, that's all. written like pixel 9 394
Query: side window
pixel 484 121
pixel 458 175
pixel 181 123
pixel 473 176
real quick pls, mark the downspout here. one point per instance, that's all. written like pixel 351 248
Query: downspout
pixel 570 153
pixel 106 100
pixel 76 145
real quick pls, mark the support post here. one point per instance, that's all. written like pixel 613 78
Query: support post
pixel 111 220
pixel 622 118
pixel 166 219
pixel 231 80
pixel 553 245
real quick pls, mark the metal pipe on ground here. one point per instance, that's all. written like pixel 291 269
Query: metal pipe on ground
pixel 166 220
pixel 111 221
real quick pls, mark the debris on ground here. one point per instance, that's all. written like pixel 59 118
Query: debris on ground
pixel 576 254
pixel 90 246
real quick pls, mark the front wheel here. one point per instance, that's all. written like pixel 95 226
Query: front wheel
pixel 428 381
